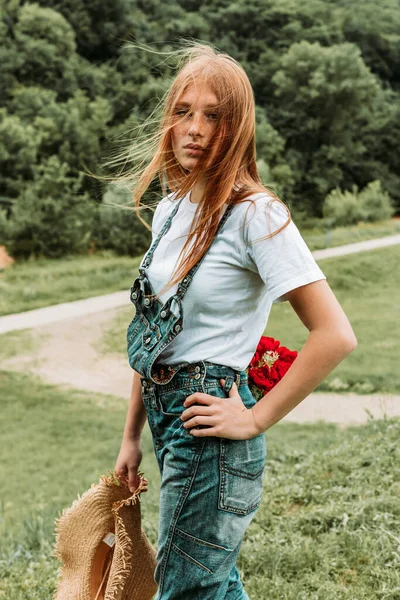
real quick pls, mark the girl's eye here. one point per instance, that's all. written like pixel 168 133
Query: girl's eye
pixel 212 116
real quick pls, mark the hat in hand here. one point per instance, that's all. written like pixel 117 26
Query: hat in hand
pixel 104 551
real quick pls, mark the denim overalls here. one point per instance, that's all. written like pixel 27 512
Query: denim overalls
pixel 211 487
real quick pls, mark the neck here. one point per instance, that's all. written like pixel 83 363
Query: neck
pixel 197 192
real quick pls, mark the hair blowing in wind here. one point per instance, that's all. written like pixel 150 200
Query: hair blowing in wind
pixel 228 163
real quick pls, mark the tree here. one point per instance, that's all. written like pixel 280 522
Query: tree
pixel 326 95
pixel 51 216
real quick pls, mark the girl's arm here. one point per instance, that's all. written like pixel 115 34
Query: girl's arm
pixel 136 415
pixel 330 340
pixel 130 454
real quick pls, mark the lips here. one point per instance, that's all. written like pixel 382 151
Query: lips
pixel 193 147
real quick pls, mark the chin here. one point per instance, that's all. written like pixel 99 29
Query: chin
pixel 188 164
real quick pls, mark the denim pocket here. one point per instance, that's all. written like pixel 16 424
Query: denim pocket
pixel 151 336
pixel 241 472
pixel 171 402
pixel 134 326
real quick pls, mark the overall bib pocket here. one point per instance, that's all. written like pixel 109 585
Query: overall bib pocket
pixel 135 325
pixel 151 336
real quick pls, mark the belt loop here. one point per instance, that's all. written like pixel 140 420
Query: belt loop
pixel 229 381
pixel 204 368
pixel 149 391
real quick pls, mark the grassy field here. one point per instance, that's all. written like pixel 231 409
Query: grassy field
pixel 328 527
pixel 367 286
pixel 317 239
pixel 36 283
pixel 15 343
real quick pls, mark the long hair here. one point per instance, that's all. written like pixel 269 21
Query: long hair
pixel 229 164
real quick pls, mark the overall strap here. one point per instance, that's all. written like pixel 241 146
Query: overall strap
pixel 166 226
pixel 186 281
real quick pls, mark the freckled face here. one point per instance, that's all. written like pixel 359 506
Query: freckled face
pixel 196 126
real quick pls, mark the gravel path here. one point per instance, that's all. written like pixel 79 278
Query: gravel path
pixel 67 337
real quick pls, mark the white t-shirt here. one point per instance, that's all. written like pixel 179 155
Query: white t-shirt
pixel 228 302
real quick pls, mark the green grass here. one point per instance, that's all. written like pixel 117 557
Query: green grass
pixel 15 343
pixel 37 283
pixel 317 239
pixel 328 527
pixel 367 286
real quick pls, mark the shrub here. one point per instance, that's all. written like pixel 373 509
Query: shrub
pixel 349 208
pixel 50 217
pixel 376 204
pixel 342 208
pixel 119 229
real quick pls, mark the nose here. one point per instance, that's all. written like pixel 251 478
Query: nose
pixel 194 127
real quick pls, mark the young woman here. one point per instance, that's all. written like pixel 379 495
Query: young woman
pixel 224 248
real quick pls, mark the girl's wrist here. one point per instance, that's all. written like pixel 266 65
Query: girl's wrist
pixel 132 436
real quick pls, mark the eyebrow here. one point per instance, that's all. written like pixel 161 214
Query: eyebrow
pixel 187 104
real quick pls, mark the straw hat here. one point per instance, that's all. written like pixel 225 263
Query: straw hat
pixel 104 552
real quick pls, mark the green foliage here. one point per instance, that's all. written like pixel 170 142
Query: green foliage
pixel 325 76
pixel 117 227
pixel 376 204
pixel 18 152
pixel 47 43
pixel 342 208
pixel 99 26
pixel 51 217
pixel 75 277
pixel 327 94
pixel 349 208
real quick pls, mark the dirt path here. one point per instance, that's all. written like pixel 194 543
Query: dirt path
pixel 67 337
pixel 82 308
pixel 68 355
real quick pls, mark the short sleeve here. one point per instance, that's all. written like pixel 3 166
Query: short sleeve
pixel 283 261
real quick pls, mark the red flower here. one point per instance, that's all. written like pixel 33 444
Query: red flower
pixel 269 364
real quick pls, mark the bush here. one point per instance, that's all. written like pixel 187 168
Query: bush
pixel 119 229
pixel 349 208
pixel 303 219
pixel 51 217
pixel 376 204
pixel 342 208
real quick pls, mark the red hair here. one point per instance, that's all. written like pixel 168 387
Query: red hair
pixel 230 163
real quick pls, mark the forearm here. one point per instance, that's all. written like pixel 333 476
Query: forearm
pixel 136 415
pixel 319 356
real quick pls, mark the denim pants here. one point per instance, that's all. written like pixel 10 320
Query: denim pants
pixel 211 488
